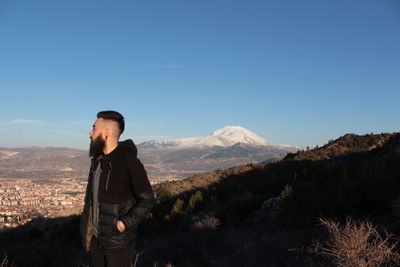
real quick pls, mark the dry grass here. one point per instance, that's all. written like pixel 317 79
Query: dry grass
pixel 204 180
pixel 207 221
pixel 357 244
pixel 4 262
pixel 68 212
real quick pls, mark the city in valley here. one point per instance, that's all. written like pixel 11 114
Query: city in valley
pixel 22 200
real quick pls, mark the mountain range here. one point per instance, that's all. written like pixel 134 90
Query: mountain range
pixel 223 148
pixel 224 137
pixel 171 159
pixel 39 162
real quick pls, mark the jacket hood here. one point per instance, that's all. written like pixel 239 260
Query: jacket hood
pixel 129 145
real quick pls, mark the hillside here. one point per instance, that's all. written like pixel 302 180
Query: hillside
pixel 349 143
pixel 216 219
pixel 48 162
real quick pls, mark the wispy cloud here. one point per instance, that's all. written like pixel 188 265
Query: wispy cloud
pixel 23 121
pixel 58 132
pixel 42 122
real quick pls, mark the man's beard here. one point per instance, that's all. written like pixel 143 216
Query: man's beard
pixel 96 146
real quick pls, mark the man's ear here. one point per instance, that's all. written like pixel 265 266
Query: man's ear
pixel 107 132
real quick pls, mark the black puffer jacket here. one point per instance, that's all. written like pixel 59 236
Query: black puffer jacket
pixel 124 194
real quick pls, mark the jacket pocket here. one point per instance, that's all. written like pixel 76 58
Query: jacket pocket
pixel 114 225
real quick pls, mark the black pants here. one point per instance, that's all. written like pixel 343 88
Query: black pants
pixel 101 258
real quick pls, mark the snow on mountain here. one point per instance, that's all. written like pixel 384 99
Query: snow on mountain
pixel 223 148
pixel 223 137
pixel 239 134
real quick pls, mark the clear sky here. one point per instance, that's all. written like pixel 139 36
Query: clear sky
pixel 294 72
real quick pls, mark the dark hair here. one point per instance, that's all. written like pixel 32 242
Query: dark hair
pixel 114 116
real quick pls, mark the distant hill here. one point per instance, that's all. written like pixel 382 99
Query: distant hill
pixel 173 159
pixel 349 143
pixel 48 162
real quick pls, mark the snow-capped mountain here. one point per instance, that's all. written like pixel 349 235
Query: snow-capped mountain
pixel 238 134
pixel 223 148
pixel 224 137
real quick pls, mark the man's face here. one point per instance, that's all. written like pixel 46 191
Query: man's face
pixel 97 139
pixel 98 129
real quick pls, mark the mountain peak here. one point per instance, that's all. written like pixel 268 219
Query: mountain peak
pixel 224 137
pixel 229 129
pixel 238 134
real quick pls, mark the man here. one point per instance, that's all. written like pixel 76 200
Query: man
pixel 118 194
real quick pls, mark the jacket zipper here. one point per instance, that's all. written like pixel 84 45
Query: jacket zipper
pixel 108 175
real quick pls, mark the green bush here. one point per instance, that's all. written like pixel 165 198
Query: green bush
pixel 286 192
pixel 177 208
pixel 194 200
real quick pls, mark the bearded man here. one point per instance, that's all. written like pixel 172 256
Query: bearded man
pixel 118 194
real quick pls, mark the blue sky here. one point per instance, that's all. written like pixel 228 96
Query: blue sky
pixel 294 72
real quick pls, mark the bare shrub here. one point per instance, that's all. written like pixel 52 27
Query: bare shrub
pixel 4 262
pixel 356 244
pixel 206 222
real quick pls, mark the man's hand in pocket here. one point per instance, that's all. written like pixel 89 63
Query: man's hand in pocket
pixel 120 226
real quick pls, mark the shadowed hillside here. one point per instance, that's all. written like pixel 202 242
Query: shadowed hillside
pixel 216 219
pixel 349 143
